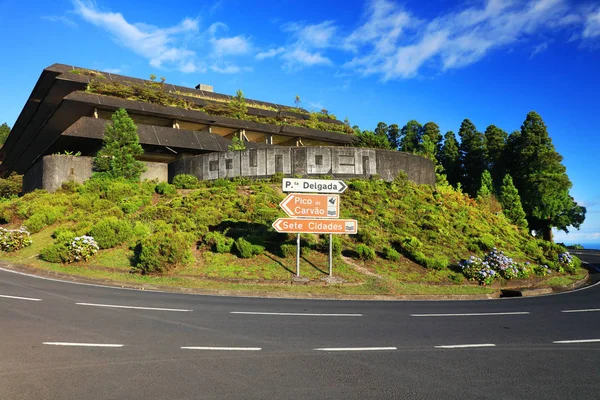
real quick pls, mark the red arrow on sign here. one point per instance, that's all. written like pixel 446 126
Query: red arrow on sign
pixel 311 205
pixel 316 225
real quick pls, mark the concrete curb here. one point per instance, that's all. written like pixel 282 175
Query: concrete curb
pixel 29 270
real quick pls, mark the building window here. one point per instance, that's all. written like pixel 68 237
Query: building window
pixel 213 166
pixel 228 163
pixel 319 159
pixel 253 158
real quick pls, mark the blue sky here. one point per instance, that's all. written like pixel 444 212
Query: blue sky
pixel 490 61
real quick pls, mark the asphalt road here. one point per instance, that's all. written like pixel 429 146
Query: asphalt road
pixel 62 340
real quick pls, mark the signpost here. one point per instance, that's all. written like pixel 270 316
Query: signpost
pixel 311 205
pixel 315 225
pixel 313 185
pixel 314 213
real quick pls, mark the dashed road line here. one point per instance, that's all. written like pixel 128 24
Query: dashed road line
pixel 19 298
pixel 584 310
pixel 295 314
pixel 221 348
pixel 577 341
pixel 356 348
pixel 472 314
pixel 82 344
pixel 465 346
pixel 134 307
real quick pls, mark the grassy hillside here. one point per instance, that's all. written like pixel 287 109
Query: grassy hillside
pixel 218 235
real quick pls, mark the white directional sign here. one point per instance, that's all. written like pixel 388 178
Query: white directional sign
pixel 311 205
pixel 313 185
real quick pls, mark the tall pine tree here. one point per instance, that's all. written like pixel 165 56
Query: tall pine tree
pixel 411 134
pixel 450 158
pixel 472 157
pixel 120 146
pixel 432 141
pixel 541 179
pixel 511 202
pixel 486 188
pixel 494 141
pixel 393 135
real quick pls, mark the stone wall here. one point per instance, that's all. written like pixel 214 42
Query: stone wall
pixel 51 171
pixel 339 162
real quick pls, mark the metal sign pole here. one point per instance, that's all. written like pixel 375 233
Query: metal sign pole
pixel 330 254
pixel 298 256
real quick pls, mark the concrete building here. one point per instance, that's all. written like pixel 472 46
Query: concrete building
pixel 180 130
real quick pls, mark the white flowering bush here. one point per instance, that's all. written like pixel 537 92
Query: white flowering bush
pixel 83 248
pixel 14 239
pixel 494 264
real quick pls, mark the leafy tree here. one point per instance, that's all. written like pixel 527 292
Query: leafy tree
pixel 372 140
pixel 411 135
pixel 494 141
pixel 237 144
pixel 541 179
pixel 511 202
pixel 472 156
pixel 393 135
pixel 4 132
pixel 238 105
pixel 450 158
pixel 120 146
pixel 487 186
pixel 381 129
pixel 432 141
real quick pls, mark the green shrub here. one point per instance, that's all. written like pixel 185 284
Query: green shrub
pixel 132 204
pixel 70 187
pixel 365 252
pixel 63 234
pixel 140 230
pixel 162 251
pixel 56 253
pixel 219 243
pixel 14 239
pixel 111 232
pixel 288 250
pixel 436 262
pixel 185 181
pixel 35 223
pixel 486 242
pixel 389 253
pixel 165 189
pixel 245 249
pixel 11 186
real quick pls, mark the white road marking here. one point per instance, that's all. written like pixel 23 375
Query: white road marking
pixel 577 341
pixel 584 310
pixel 465 346
pixel 222 348
pixel 295 314
pixel 19 298
pixel 82 344
pixel 133 307
pixel 355 348
pixel 471 314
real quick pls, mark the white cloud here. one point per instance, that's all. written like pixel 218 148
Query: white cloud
pixel 269 53
pixel 62 19
pixel 395 44
pixel 299 58
pixel 312 36
pixel 231 45
pixel 539 49
pixel 592 25
pixel 155 44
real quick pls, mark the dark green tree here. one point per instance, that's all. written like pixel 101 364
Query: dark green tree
pixel 120 147
pixel 393 135
pixel 541 179
pixel 432 137
pixel 4 131
pixel 410 137
pixel 511 202
pixel 494 141
pixel 381 129
pixel 486 188
pixel 472 157
pixel 372 140
pixel 450 158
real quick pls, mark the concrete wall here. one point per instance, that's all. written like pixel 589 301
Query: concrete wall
pixel 340 162
pixel 51 171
